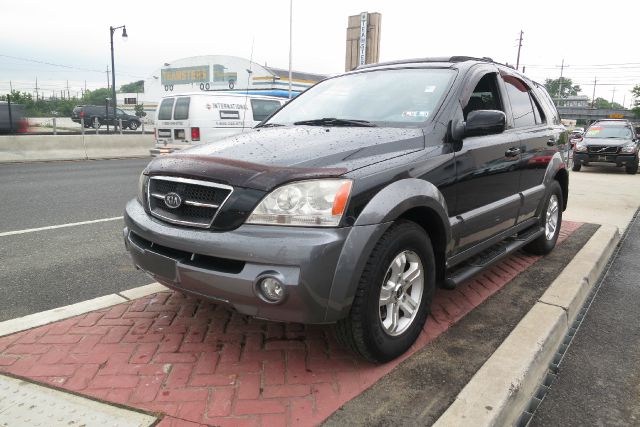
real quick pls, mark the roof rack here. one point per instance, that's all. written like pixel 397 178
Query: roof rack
pixel 426 60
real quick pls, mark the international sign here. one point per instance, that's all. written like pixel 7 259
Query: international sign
pixel 183 75
pixel 364 23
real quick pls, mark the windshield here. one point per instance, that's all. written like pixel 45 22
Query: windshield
pixel 399 97
pixel 609 132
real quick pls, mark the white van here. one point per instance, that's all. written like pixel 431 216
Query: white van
pixel 187 119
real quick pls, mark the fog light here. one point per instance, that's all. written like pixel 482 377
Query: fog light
pixel 271 289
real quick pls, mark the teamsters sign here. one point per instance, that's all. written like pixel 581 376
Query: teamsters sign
pixel 184 75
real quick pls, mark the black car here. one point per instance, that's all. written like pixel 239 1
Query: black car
pixel 96 116
pixel 12 121
pixel 351 203
pixel 608 141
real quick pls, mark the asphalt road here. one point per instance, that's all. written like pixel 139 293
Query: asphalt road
pixel 45 269
pixel 599 377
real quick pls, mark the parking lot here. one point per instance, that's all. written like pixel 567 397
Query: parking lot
pixel 189 361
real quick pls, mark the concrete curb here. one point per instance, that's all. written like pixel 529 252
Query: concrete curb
pixel 25 148
pixel 20 324
pixel 501 390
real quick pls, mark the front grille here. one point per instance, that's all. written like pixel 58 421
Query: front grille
pixel 602 149
pixel 199 204
pixel 206 262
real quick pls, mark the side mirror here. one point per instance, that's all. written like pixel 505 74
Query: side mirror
pixel 485 122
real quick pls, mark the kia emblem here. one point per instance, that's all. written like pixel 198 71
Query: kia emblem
pixel 172 200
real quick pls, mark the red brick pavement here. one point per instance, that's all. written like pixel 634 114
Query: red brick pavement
pixel 200 363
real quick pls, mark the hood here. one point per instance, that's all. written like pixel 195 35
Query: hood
pixel 267 157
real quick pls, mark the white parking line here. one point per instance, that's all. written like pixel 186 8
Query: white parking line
pixel 53 227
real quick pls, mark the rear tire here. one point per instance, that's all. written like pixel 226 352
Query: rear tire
pixel 551 220
pixel 96 123
pixel 393 297
pixel 133 125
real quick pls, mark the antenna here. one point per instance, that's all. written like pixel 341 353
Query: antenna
pixel 249 72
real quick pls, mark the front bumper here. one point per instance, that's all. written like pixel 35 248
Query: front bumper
pixel 225 266
pixel 618 159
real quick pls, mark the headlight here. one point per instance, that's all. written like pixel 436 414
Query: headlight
pixel 581 147
pixel 628 148
pixel 315 203
pixel 142 188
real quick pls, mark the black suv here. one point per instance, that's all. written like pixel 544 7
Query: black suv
pixel 352 202
pixel 608 141
pixel 96 116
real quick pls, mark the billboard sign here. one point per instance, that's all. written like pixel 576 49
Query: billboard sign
pixel 364 23
pixel 184 75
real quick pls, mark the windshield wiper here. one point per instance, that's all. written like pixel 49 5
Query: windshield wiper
pixel 332 121
pixel 269 125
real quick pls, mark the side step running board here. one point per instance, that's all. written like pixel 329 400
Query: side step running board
pixel 490 256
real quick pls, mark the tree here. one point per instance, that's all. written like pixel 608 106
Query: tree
pixel 137 87
pixel 568 88
pixel 604 104
pixel 97 96
pixel 139 109
pixel 636 101
pixel 18 97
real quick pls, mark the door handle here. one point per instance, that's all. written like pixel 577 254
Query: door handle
pixel 551 142
pixel 512 152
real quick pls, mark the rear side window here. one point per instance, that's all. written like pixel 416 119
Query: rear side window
pixel 521 104
pixel 166 107
pixel 551 108
pixel 262 108
pixel 181 111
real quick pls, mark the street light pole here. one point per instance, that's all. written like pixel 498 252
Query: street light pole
pixel 113 69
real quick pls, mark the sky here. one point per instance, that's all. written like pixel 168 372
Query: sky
pixel 594 42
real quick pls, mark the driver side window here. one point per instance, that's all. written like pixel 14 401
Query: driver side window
pixel 485 96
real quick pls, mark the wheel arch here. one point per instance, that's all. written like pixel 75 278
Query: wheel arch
pixel 562 176
pixel 432 224
pixel 412 199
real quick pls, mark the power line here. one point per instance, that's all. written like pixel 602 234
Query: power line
pixel 70 67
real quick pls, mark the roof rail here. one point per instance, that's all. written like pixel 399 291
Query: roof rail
pixel 458 58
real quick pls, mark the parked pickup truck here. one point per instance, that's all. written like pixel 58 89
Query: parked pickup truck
pixel 354 201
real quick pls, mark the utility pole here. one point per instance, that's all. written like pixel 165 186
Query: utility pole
pixel 68 93
pixel 36 89
pixel 593 97
pixel 614 94
pixel 10 87
pixel 624 100
pixel 560 88
pixel 108 80
pixel 519 47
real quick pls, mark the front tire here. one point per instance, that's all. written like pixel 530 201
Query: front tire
pixel 393 297
pixel 96 123
pixel 133 125
pixel 551 220
pixel 633 168
pixel 576 166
